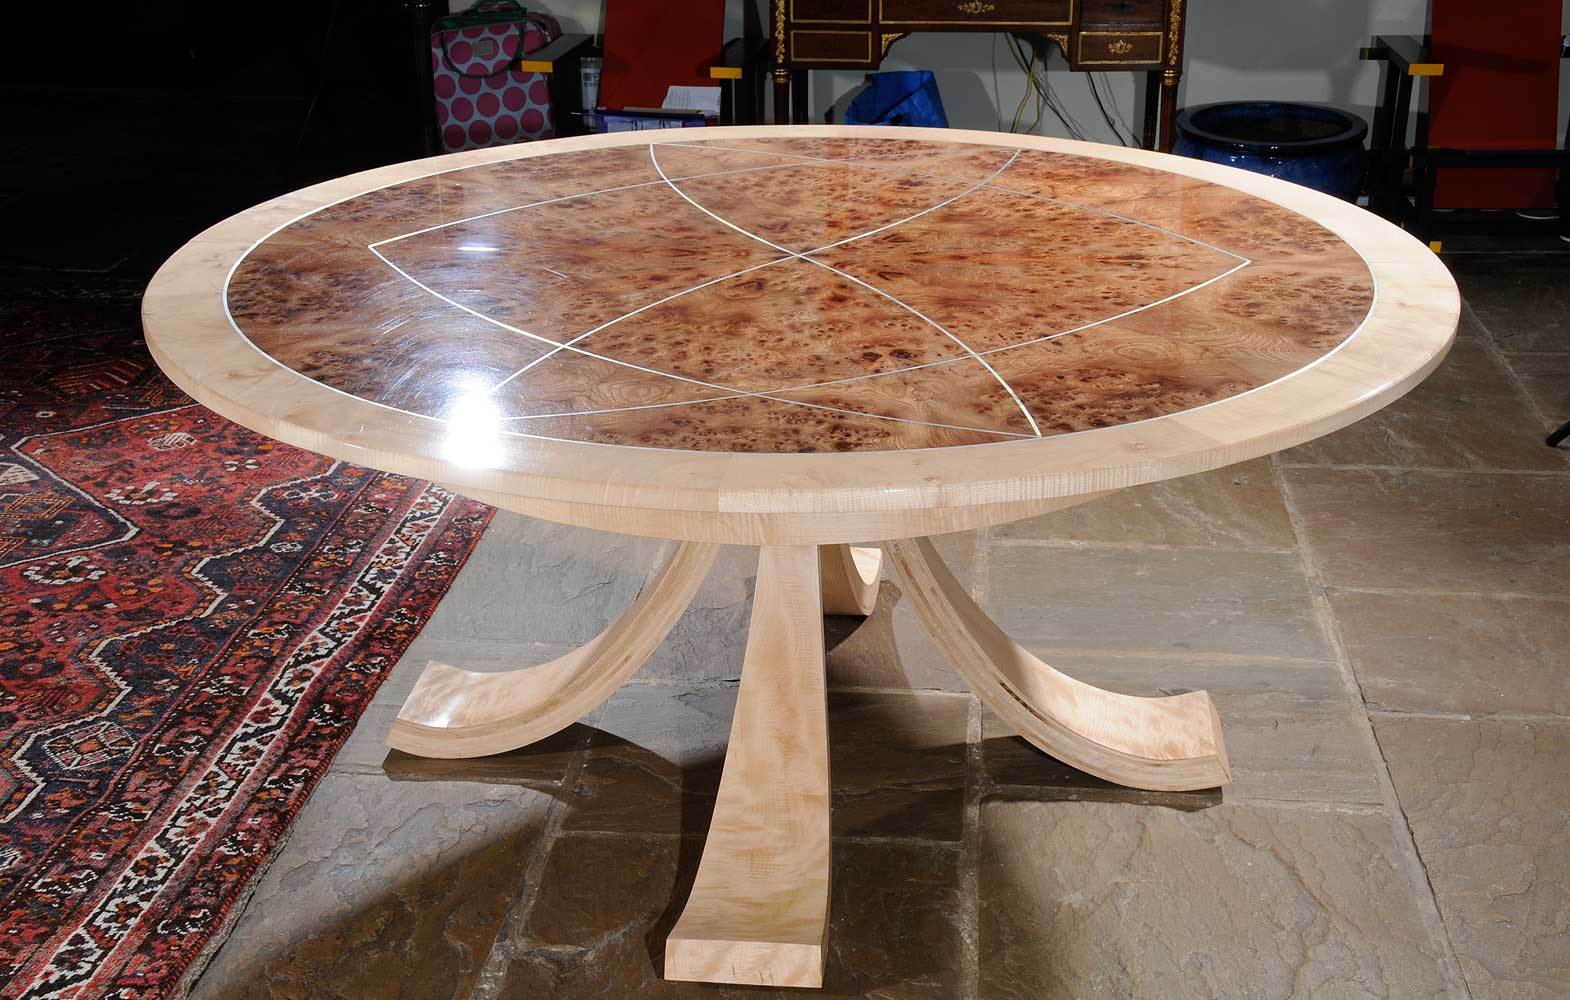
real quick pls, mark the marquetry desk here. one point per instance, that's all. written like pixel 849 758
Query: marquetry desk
pixel 800 338
pixel 1140 35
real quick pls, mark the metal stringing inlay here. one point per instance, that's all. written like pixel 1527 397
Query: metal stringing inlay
pixel 811 294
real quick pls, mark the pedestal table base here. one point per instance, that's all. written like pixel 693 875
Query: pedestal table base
pixel 758 911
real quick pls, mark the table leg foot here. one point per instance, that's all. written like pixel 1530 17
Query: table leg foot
pixel 460 713
pixel 758 912
pixel 1168 744
pixel 850 578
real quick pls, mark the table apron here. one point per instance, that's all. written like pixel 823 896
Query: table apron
pixel 749 528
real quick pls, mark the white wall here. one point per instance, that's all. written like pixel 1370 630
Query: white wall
pixel 1303 50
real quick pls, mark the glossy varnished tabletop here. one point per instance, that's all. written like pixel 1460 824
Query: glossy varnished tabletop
pixel 797 338
pixel 686 338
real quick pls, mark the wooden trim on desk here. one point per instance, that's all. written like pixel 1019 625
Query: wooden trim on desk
pixel 864 20
pixel 1068 19
pixel 1176 25
pixel 779 47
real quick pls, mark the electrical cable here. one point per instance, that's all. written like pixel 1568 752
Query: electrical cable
pixel 1029 76
pixel 1043 90
pixel 1034 55
pixel 1074 125
pixel 1117 112
pixel 1095 93
pixel 1106 116
pixel 1037 123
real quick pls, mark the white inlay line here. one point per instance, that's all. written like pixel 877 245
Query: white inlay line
pixel 1036 340
pixel 910 368
pixel 725 391
pixel 569 344
pixel 852 278
pixel 896 168
pixel 1242 260
pixel 728 392
pixel 789 256
pixel 806 159
pixel 572 197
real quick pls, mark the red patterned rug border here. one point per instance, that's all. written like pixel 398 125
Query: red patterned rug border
pixel 188 835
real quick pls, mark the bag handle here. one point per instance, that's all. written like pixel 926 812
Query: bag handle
pixel 482 12
pixel 524 22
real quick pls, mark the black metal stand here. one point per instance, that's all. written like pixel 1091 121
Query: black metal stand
pixel 1405 59
pixel 1426 164
pixel 740 73
pixel 561 62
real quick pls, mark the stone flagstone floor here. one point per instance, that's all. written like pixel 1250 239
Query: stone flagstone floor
pixel 1383 617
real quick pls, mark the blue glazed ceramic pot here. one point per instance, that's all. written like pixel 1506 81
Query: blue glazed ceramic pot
pixel 1316 146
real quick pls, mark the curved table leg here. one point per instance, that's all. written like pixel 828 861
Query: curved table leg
pixel 850 578
pixel 758 913
pixel 1169 744
pixel 459 713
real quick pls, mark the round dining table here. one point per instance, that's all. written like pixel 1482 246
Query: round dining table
pixel 804 339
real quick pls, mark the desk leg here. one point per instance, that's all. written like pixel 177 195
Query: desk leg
pixel 759 909
pixel 1170 744
pixel 1152 106
pixel 798 96
pixel 460 713
pixel 781 95
pixel 1169 95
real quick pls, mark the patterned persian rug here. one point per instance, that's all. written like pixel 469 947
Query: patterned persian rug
pixel 192 618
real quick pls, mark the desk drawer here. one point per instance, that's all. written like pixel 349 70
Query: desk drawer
pixel 820 46
pixel 831 11
pixel 1045 13
pixel 1122 13
pixel 1119 47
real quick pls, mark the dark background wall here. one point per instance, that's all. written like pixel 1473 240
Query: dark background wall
pixel 129 127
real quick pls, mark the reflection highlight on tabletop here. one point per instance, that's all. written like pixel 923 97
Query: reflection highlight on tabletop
pixel 473 438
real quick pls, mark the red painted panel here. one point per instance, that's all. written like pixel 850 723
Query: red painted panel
pixel 1500 90
pixel 653 44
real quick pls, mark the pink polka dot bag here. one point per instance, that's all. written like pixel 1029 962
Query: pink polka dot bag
pixel 482 97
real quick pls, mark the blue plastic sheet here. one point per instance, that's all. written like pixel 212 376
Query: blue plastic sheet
pixel 903 97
